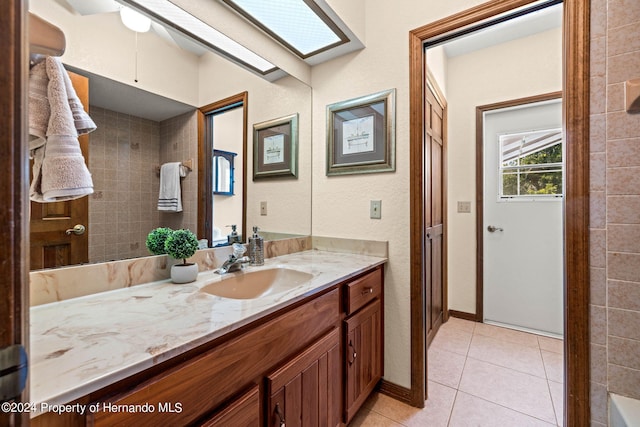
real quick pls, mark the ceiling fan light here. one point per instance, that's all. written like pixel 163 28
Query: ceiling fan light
pixel 134 20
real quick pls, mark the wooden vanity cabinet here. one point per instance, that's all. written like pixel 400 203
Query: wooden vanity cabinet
pixel 244 411
pixel 311 364
pixel 306 390
pixel 363 340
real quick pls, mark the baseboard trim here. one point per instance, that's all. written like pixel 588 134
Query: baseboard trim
pixel 463 315
pixel 395 391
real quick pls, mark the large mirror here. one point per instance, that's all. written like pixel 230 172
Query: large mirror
pixel 144 93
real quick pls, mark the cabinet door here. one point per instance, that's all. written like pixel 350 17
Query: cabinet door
pixel 242 412
pixel 306 391
pixel 363 356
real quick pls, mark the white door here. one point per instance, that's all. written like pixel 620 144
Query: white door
pixel 523 252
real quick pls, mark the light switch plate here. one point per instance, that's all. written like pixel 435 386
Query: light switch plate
pixel 375 211
pixel 464 207
pixel 263 208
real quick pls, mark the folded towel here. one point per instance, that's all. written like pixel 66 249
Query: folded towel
pixel 59 170
pixel 39 109
pixel 170 198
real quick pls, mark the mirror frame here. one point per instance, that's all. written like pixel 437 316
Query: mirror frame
pixel 230 158
pixel 205 167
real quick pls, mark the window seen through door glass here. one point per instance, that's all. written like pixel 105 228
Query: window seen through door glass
pixel 531 164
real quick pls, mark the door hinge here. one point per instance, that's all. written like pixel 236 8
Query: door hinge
pixel 13 372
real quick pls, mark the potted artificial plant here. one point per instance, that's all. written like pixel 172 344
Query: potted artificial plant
pixel 182 244
pixel 156 238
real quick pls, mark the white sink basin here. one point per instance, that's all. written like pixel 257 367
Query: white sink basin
pixel 254 284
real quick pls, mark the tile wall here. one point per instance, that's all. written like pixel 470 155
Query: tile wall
pixel 615 205
pixel 123 153
pixel 178 143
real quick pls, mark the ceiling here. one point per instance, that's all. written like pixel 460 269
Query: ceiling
pixel 523 26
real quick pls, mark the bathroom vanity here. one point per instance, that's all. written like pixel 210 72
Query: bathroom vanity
pixel 306 355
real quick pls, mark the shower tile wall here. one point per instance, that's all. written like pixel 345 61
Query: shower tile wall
pixel 178 143
pixel 615 206
pixel 123 153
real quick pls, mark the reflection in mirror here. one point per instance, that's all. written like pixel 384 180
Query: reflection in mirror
pixel 223 170
pixel 222 130
pixel 155 74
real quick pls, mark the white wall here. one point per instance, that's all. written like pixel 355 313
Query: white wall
pixel 341 203
pixel 517 69
pixel 227 136
pixel 288 200
pixel 102 45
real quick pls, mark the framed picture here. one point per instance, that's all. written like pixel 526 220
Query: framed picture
pixel 275 148
pixel 361 135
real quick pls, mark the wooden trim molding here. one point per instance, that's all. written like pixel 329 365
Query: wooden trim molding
pixel 576 81
pixel 576 126
pixel 395 391
pixel 14 215
pixel 205 149
pixel 463 315
pixel 480 110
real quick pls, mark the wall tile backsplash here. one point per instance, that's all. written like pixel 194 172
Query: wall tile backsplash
pixel 615 148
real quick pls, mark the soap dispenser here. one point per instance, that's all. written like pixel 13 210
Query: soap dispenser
pixel 256 248
pixel 233 237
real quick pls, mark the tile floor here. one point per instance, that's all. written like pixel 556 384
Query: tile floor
pixel 481 375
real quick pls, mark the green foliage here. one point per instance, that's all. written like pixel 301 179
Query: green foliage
pixel 156 238
pixel 181 244
pixel 535 180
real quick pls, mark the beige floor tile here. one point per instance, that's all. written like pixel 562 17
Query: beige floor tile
pixel 551 344
pixel 445 367
pixel 557 397
pixel 391 408
pixel 515 390
pixel 453 340
pixel 554 366
pixel 460 324
pixel 471 411
pixel 507 354
pixel 368 418
pixel 435 413
pixel 506 334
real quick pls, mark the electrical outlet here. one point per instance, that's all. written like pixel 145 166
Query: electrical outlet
pixel 263 208
pixel 375 211
pixel 464 207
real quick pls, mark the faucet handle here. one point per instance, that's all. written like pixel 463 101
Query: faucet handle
pixel 238 250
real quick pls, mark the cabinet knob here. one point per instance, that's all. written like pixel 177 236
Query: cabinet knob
pixel 353 353
pixel 367 290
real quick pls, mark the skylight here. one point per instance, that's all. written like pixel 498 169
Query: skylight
pixel 177 18
pixel 300 25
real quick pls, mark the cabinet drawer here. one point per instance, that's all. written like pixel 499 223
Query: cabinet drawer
pixel 363 290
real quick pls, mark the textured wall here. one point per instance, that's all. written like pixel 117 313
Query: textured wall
pixel 179 143
pixel 615 205
pixel 123 152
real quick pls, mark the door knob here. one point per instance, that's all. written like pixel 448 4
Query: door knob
pixel 493 229
pixel 77 229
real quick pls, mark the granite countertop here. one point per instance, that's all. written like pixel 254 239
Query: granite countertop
pixel 83 344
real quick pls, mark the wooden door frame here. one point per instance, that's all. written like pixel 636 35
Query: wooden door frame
pixel 205 190
pixel 576 240
pixel 14 190
pixel 480 110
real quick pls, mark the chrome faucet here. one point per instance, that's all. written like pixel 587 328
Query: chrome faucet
pixel 235 261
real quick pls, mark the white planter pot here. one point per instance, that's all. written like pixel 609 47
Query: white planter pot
pixel 184 273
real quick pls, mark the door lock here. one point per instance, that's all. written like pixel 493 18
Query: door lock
pixel 77 229
pixel 493 229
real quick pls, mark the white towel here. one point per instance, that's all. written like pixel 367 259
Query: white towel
pixel 170 198
pixel 59 169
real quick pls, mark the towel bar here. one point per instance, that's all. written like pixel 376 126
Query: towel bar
pixel 187 164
